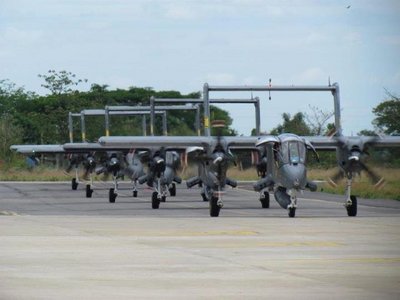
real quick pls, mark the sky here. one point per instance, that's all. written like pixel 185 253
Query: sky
pixel 180 45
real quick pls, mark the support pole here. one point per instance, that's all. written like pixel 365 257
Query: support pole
pixel 206 104
pixel 164 123
pixel 144 125
pixel 336 102
pixel 70 128
pixel 197 125
pixel 107 120
pixel 258 115
pixel 152 115
pixel 83 127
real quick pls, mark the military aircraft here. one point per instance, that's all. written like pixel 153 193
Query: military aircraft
pixel 213 155
pixel 351 152
pixel 74 159
pixel 161 174
pixel 282 168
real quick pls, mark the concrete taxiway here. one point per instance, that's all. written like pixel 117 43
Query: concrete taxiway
pixel 57 244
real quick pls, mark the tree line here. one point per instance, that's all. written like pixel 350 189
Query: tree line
pixel 28 118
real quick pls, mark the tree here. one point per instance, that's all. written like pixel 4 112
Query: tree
pixel 10 134
pixel 317 120
pixel 220 114
pixel 60 82
pixel 388 115
pixel 296 125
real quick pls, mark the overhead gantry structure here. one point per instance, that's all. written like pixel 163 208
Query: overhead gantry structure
pixel 110 109
pixel 334 89
pixel 102 112
pixel 255 101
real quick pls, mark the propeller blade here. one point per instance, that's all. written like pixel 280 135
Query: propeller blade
pixel 375 178
pixel 335 178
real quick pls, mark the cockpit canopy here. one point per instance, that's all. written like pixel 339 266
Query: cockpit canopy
pixel 292 152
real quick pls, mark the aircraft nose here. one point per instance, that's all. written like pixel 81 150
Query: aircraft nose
pixel 295 176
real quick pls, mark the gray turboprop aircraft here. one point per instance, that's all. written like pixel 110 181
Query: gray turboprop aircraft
pixel 74 159
pixel 162 173
pixel 213 154
pixel 350 154
pixel 282 168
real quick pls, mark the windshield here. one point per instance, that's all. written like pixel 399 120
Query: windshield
pixel 293 152
pixel 294 155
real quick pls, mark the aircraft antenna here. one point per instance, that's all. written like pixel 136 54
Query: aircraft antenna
pixel 329 80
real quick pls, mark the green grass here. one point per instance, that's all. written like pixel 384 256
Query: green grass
pixel 361 185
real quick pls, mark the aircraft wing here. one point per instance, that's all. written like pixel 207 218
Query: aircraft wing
pixel 331 143
pixel 154 141
pixel 174 142
pixel 89 147
pixel 31 149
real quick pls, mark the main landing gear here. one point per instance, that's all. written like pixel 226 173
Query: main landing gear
pixel 351 202
pixel 159 195
pixel 264 199
pixel 113 192
pixel 89 191
pixel 293 204
pixel 74 184
pixel 215 203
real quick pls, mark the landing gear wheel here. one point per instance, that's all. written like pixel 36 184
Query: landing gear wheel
pixel 112 196
pixel 352 209
pixel 172 190
pixel 74 184
pixel 265 200
pixel 155 202
pixel 163 198
pixel 292 212
pixel 89 191
pixel 204 197
pixel 214 207
pixel 135 194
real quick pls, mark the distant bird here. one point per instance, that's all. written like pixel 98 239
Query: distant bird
pixel 348 6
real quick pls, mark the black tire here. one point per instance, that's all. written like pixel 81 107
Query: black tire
pixel 135 194
pixel 292 212
pixel 163 198
pixel 352 209
pixel 74 184
pixel 155 202
pixel 89 191
pixel 112 196
pixel 172 190
pixel 265 200
pixel 214 208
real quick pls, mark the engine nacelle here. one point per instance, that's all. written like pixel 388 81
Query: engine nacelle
pixel 263 183
pixel 191 182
